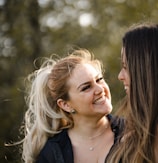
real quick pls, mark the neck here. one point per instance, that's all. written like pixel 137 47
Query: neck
pixel 89 130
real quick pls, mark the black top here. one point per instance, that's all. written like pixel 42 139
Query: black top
pixel 58 149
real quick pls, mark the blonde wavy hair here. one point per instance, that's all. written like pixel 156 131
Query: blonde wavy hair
pixel 44 118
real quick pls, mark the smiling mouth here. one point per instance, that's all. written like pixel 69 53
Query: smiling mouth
pixel 126 88
pixel 99 100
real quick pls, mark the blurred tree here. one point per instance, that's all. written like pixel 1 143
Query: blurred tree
pixel 34 28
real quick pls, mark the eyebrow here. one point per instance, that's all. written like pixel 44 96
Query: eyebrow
pixel 81 85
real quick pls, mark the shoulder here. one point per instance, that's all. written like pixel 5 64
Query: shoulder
pixel 117 125
pixel 116 122
pixel 59 139
pixel 53 150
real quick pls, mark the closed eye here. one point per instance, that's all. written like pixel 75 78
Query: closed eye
pixel 99 79
pixel 85 87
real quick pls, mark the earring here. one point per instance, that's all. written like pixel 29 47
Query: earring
pixel 73 111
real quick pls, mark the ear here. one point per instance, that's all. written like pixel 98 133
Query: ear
pixel 64 105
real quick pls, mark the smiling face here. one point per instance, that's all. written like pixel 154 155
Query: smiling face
pixel 124 74
pixel 89 94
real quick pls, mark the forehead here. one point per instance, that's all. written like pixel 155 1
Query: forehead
pixel 123 56
pixel 83 73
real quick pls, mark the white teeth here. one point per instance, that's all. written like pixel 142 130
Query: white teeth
pixel 99 100
pixel 125 87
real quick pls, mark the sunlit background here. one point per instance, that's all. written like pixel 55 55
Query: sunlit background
pixel 37 28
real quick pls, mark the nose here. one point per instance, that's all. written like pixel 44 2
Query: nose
pixel 121 76
pixel 98 89
pixel 103 89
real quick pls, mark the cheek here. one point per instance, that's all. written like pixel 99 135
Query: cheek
pixel 127 78
pixel 79 100
pixel 107 90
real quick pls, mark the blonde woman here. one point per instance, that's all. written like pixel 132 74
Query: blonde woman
pixel 68 118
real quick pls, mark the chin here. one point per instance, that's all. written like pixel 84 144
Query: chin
pixel 109 110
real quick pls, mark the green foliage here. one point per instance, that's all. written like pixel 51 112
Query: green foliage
pixel 31 29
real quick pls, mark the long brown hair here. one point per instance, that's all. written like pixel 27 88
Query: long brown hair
pixel 141 50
